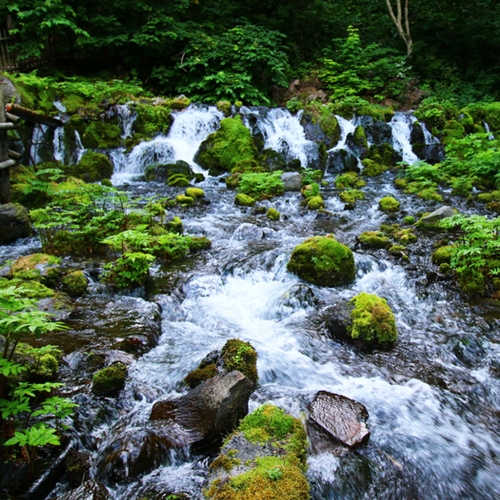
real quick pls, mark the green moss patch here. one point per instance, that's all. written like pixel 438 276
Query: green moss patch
pixel 93 167
pixel 374 239
pixel 110 380
pixel 244 200
pixel 349 180
pixel 241 356
pixel 389 204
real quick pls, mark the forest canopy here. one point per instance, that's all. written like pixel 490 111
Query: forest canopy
pixel 213 49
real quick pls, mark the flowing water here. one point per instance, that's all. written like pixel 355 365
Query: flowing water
pixel 433 399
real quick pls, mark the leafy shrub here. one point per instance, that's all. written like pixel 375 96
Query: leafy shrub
pixel 261 185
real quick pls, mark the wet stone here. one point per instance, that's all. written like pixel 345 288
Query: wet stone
pixel 339 417
pixel 89 490
pixel 248 232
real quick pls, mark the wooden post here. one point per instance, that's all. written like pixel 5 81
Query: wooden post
pixel 4 153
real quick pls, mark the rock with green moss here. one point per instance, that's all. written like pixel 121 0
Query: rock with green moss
pixel 93 167
pixel 14 222
pixel 244 200
pixel 372 319
pixel 442 255
pixel 409 219
pixel 184 200
pixel 389 204
pixel 349 180
pixel 152 119
pixel 323 261
pixel 235 355
pixel 351 195
pixel 224 107
pixel 75 284
pixel 38 266
pixel 110 380
pixel 195 192
pixel 372 167
pixel 175 225
pixel 273 214
pixel 374 239
pixel 101 135
pixel 225 148
pixel 264 459
pixel 310 190
pixel 315 202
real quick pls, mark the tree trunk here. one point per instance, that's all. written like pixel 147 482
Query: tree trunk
pixel 402 22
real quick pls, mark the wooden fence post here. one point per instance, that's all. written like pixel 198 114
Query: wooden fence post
pixel 4 152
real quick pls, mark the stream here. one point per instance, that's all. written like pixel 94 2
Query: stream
pixel 433 399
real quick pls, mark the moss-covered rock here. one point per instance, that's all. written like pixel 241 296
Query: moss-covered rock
pixel 389 204
pixel 195 193
pixel 75 284
pixel 351 195
pixel 273 214
pixel 152 119
pixel 372 167
pixel 239 355
pixel 101 135
pixel 235 355
pixel 323 261
pixel 442 255
pixel 110 380
pixel 349 180
pixel 372 320
pixel 244 200
pixel 224 107
pixel 175 225
pixel 224 149
pixel 93 167
pixel 184 200
pixel 409 220
pixel 14 222
pixel 37 266
pixel 315 203
pixel 263 459
pixel 374 239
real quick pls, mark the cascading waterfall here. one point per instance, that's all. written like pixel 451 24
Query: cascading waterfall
pixel 401 130
pixel 337 154
pixel 283 132
pixel 189 129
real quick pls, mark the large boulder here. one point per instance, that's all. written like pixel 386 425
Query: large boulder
pixel 292 181
pixel 14 222
pixel 208 411
pixel 323 261
pixel 222 151
pixel 265 458
pixel 431 221
pixel 336 420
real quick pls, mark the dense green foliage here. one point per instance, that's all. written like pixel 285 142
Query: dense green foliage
pixel 214 50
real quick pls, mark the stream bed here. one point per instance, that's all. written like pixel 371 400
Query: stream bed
pixel 433 398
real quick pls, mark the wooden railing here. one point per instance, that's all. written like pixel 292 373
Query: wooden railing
pixel 56 47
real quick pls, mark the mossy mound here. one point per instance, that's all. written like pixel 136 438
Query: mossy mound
pixel 388 204
pixel 110 380
pixel 374 239
pixel 273 214
pixel 199 375
pixel 310 190
pixel 75 284
pixel 224 107
pixel 175 225
pixel 323 261
pixel 315 203
pixel 195 193
pixel 224 149
pixel 349 180
pixel 101 135
pixel 93 167
pixel 442 255
pixel 263 459
pixel 35 266
pixel 372 167
pixel 244 200
pixel 152 119
pixel 351 195
pixel 184 200
pixel 372 320
pixel 261 185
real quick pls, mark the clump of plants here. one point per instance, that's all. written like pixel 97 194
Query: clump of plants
pixel 475 256
pixel 349 180
pixel 261 185
pixel 31 414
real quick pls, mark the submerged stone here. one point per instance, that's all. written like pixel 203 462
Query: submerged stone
pixel 340 418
